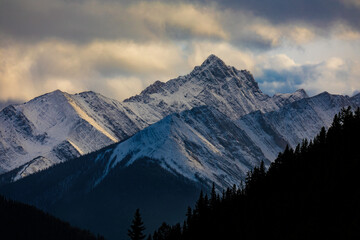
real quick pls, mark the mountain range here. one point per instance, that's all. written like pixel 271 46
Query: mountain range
pixel 58 126
pixel 156 150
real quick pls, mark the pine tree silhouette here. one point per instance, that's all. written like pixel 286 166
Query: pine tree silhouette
pixel 137 227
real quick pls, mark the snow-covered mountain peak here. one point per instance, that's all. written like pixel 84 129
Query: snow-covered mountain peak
pixel 156 87
pixel 213 60
pixel 213 71
pixel 51 96
pixel 88 93
pixel 325 96
pixel 231 91
pixel 301 92
pixel 356 98
pixel 297 95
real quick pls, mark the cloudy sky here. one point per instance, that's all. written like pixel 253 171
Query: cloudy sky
pixel 117 47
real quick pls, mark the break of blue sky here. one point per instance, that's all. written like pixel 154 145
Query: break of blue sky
pixel 117 48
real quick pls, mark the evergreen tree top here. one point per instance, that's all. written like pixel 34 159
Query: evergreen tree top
pixel 137 227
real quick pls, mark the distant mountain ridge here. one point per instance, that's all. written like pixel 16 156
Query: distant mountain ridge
pixel 58 126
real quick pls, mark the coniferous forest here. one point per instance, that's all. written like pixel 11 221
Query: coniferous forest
pixel 21 221
pixel 312 191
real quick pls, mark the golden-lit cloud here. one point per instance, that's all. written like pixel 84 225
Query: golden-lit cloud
pixel 277 62
pixel 124 86
pixel 300 34
pixel 196 19
pixel 28 71
pixel 336 76
pixel 345 32
pixel 351 3
pixel 267 32
pixel 273 34
pixel 94 19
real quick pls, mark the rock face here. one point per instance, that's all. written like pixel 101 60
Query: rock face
pixel 59 126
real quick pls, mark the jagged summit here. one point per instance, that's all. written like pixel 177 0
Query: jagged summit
pixel 153 88
pixel 298 94
pixel 213 73
pixel 231 91
pixel 356 98
pixel 88 93
pixel 213 60
pixel 301 91
pixel 54 94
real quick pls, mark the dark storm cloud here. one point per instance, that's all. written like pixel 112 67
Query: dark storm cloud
pixel 321 13
pixel 83 21
pixel 73 20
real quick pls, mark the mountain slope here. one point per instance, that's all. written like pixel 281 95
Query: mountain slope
pixel 294 122
pixel 59 126
pixel 201 144
pixel 21 221
pixel 356 99
pixel 308 193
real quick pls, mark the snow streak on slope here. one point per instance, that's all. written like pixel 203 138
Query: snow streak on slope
pixel 32 167
pixel 84 116
pixel 263 134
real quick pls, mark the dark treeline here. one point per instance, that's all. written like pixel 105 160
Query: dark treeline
pixel 21 221
pixel 310 192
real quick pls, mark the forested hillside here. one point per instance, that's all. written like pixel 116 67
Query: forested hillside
pixel 21 221
pixel 308 192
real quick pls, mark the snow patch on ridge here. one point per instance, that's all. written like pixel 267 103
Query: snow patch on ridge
pixel 84 116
